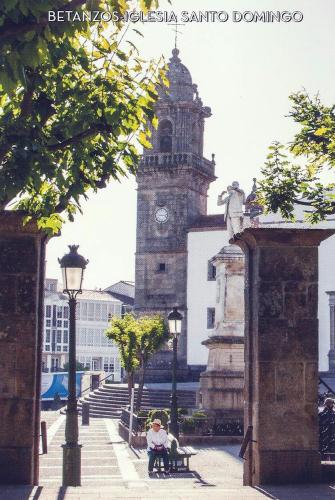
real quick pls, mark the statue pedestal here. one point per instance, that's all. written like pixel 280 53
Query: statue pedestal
pixel 221 385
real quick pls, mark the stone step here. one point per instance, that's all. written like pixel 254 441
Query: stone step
pixel 118 397
pixel 107 401
pixel 105 388
pixel 110 401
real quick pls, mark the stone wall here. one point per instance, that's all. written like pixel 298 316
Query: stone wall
pixel 281 342
pixel 21 308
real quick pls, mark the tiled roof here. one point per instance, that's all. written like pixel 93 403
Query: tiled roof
pixel 124 288
pixel 214 221
pixel 96 295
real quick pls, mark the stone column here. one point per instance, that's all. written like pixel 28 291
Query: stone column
pixel 331 354
pixel 281 342
pixel 21 315
pixel 221 385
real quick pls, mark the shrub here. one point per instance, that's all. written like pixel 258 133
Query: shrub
pixel 199 414
pixel 142 413
pixel 161 414
pixel 188 426
pixel 182 411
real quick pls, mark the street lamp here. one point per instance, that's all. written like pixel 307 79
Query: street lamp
pixel 174 319
pixel 72 265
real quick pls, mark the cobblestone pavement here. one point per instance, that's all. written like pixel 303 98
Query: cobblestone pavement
pixel 111 471
pixel 99 464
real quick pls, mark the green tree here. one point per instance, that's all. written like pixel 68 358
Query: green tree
pixel 123 331
pixel 75 99
pixel 302 172
pixel 152 335
pixel 137 339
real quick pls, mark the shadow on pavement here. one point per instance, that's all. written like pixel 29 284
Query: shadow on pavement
pixel 20 492
pixel 182 475
pixel 298 492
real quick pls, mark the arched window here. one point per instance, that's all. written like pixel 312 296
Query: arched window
pixel 165 136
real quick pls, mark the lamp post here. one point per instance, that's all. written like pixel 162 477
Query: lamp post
pixel 72 265
pixel 174 319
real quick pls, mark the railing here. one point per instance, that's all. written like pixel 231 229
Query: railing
pixel 326 424
pixel 173 159
pixel 200 426
pixel 246 440
pixel 90 388
pixel 323 395
pixel 139 423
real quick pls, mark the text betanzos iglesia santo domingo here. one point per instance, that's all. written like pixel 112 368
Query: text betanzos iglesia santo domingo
pixel 170 16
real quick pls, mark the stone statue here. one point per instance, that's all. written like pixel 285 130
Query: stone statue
pixel 234 208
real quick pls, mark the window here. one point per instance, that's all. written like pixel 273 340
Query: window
pixel 90 312
pixel 59 348
pixel 161 267
pixel 48 322
pixel 89 337
pixel 83 311
pixel 48 311
pixel 65 311
pixel 104 315
pixel 54 314
pixel 210 317
pixel 59 323
pixel 65 324
pixel 59 312
pixel 47 348
pixel 97 312
pixel 165 136
pixel 111 310
pixel 211 272
pixel 65 337
pixel 65 348
pixel 108 364
pixel 47 336
pixel 59 336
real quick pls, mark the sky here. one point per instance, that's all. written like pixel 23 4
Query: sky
pixel 245 73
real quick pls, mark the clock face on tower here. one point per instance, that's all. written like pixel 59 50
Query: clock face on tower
pixel 161 215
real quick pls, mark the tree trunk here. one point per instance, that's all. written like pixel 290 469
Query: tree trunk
pixel 130 377
pixel 140 387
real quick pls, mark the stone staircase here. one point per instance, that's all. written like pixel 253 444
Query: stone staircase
pixel 107 400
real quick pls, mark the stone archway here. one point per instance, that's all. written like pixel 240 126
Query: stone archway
pixel 281 354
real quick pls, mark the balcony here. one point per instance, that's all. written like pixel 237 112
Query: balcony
pixel 166 160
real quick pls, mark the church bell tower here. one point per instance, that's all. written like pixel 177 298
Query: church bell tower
pixel 173 179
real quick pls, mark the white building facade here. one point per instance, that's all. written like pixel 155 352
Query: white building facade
pixel 93 349
pixel 201 290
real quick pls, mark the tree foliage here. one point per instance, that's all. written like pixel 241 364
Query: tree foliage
pixel 137 339
pixel 73 97
pixel 303 171
pixel 123 332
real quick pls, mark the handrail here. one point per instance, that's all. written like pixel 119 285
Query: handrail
pixel 100 382
pixel 246 440
pixel 321 381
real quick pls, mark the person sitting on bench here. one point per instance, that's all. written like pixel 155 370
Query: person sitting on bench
pixel 157 440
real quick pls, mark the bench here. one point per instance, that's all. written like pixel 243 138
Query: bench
pixel 179 456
